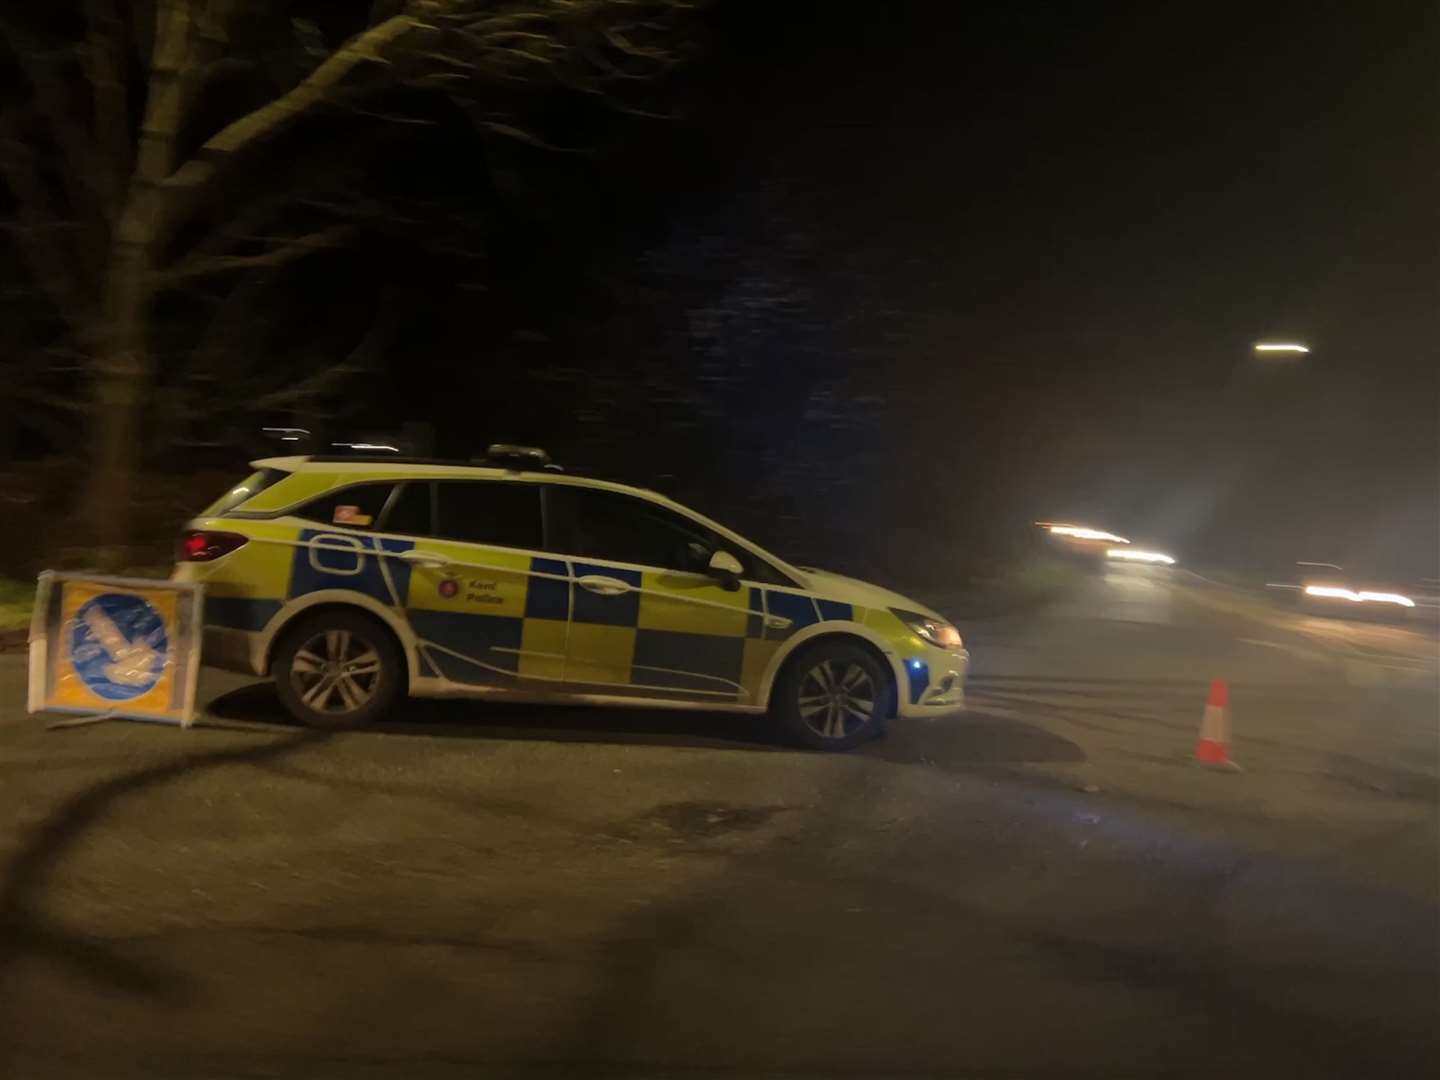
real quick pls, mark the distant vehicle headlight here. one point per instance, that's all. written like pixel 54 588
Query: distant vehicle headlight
pixel 1336 592
pixel 1131 555
pixel 1081 532
pixel 936 631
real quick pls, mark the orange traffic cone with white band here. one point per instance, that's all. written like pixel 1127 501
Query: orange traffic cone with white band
pixel 1214 745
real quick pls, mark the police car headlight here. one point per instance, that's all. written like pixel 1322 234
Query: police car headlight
pixel 935 631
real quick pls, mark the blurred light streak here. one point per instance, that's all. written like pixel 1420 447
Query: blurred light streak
pixel 1080 532
pixel 1336 592
pixel 1140 556
pixel 1281 347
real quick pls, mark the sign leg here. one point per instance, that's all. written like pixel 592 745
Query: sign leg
pixel 78 721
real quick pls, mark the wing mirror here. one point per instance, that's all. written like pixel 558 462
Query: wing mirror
pixel 726 569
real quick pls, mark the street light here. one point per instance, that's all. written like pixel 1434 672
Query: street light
pixel 1280 347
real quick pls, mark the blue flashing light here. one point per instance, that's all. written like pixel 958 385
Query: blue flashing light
pixel 919 677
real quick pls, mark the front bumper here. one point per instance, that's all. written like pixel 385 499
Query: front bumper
pixel 934 682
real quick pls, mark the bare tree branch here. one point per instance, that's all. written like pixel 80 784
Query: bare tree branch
pixel 510 131
pixel 103 57
pixel 494 47
pixel 362 357
pixel 287 250
pixel 164 103
pixel 270 119
pixel 60 403
pixel 59 281
pixel 77 165
pixel 110 219
pixel 317 385
pixel 380 10
pixel 191 397
pixel 209 38
pixel 227 325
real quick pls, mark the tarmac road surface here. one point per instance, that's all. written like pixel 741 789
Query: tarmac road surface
pixel 1045 886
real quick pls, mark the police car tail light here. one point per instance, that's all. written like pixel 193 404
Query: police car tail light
pixel 199 545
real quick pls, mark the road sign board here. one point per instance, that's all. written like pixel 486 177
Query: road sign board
pixel 118 645
pixel 115 647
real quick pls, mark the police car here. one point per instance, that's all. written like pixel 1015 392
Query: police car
pixel 356 581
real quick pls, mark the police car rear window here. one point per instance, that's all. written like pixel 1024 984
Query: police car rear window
pixel 248 488
pixel 354 507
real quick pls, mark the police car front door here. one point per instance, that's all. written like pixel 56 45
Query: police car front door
pixel 643 623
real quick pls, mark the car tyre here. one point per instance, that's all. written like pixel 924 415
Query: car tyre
pixel 338 669
pixel 833 696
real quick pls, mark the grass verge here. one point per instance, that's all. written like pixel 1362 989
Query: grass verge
pixel 16 599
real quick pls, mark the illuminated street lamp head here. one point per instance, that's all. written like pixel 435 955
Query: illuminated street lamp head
pixel 1280 347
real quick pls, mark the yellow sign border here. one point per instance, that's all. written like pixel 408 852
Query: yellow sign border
pixel 55 684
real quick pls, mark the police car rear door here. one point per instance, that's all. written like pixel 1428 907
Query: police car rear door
pixel 488 607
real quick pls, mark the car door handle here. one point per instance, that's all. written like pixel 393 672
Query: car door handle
pixel 424 558
pixel 605 586
pixel 777 622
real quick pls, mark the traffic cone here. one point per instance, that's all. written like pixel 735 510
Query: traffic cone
pixel 1214 745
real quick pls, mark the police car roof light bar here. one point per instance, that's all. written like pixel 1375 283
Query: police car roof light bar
pixel 517 457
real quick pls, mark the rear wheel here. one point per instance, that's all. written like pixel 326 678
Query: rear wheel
pixel 834 696
pixel 338 669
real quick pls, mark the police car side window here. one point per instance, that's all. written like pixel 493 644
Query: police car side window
pixel 760 571
pixel 355 507
pixel 612 527
pixel 409 513
pixel 496 512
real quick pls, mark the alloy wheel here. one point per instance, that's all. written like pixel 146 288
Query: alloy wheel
pixel 335 672
pixel 836 698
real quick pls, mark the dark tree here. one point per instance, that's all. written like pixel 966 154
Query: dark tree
pixel 141 160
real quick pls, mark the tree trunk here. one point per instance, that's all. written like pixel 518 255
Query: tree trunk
pixel 122 371
pixel 123 365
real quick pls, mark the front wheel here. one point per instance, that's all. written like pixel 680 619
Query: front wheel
pixel 338 669
pixel 833 697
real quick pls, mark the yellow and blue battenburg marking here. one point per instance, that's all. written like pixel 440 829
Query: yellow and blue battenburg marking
pixel 495 617
pixel 490 625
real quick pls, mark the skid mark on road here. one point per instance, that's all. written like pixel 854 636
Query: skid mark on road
pixel 1069 709
pixel 1125 721
pixel 1072 682
pixel 1357 666
pixel 990 737
pixel 1325 740
pixel 703 821
pixel 1311 656
pixel 1392 781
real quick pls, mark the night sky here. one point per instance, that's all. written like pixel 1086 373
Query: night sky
pixel 1096 217
pixel 957 270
